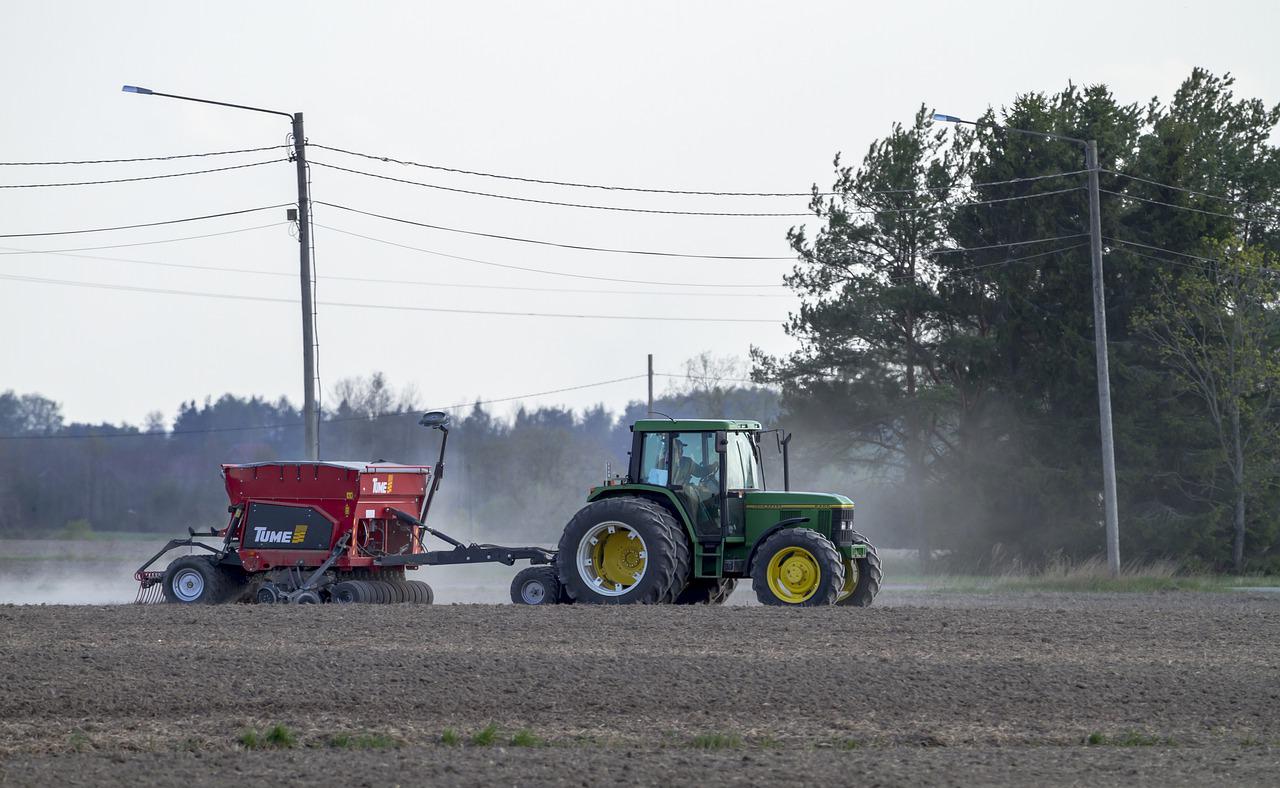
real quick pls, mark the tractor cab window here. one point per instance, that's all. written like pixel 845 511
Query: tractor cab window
pixel 653 459
pixel 742 466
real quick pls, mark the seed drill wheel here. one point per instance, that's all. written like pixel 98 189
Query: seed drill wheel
pixel 346 592
pixel 194 580
pixel 419 592
pixel 622 551
pixel 536 585
pixel 797 567
pixel 862 578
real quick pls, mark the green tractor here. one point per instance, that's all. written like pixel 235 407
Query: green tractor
pixel 693 516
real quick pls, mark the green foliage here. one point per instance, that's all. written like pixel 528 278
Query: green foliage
pixel 525 738
pixel 1129 739
pixel 277 737
pixel 716 741
pixel 450 737
pixel 485 736
pixel 959 388
pixel 362 741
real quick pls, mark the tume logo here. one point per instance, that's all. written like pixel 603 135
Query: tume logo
pixel 382 488
pixel 267 536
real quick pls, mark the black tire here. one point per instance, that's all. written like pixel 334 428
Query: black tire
pixel 684 563
pixel 423 593
pixel 383 593
pixel 870 578
pixel 707 591
pixel 400 592
pixel 346 592
pixel 651 522
pixel 307 598
pixel 536 585
pixel 267 594
pixel 829 567
pixel 198 581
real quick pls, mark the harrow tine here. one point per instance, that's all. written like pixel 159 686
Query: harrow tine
pixel 150 591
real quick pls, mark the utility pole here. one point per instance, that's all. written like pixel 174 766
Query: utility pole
pixel 310 414
pixel 650 410
pixel 1111 510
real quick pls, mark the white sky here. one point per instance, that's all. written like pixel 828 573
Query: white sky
pixel 731 95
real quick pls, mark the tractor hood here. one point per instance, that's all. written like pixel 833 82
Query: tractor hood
pixel 796 500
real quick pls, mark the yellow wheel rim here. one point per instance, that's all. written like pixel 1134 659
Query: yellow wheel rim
pixel 850 579
pixel 794 575
pixel 612 558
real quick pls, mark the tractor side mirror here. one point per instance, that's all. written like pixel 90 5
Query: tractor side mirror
pixel 435 420
pixel 722 442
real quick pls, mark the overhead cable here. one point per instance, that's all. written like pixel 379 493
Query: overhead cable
pixel 137 159
pixel 13 251
pixel 689 192
pixel 387 307
pixel 375 280
pixel 340 420
pixel 616 208
pixel 1233 217
pixel 1232 200
pixel 544 243
pixel 548 272
pixel 138 178
pixel 148 224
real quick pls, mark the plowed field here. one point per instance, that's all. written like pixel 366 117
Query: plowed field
pixel 919 689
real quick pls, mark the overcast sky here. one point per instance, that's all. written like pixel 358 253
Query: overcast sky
pixel 707 96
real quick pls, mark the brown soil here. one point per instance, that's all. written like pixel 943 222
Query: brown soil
pixel 932 689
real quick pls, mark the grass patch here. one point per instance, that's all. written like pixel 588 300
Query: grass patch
pixel 716 741
pixel 525 738
pixel 362 741
pixel 848 744
pixel 79 741
pixel 450 738
pixel 1128 739
pixel 485 736
pixel 277 737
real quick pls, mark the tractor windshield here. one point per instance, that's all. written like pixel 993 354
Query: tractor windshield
pixel 742 470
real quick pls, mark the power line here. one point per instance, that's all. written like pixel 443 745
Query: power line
pixel 298 424
pixel 688 192
pixel 877 211
pixel 543 243
pixel 142 158
pixel 139 178
pixel 1214 260
pixel 1005 245
pixel 148 224
pixel 529 269
pixel 667 212
pixel 1185 190
pixel 1260 219
pixel 68 252
pixel 389 307
pixel 373 280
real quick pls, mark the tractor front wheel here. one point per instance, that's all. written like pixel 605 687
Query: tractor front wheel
pixel 797 567
pixel 862 578
pixel 194 580
pixel 620 551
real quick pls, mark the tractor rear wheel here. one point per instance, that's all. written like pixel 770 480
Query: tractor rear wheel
pixel 194 580
pixel 536 585
pixel 620 551
pixel 707 591
pixel 797 567
pixel 862 578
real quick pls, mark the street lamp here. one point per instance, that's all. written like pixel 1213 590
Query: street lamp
pixel 310 414
pixel 1099 330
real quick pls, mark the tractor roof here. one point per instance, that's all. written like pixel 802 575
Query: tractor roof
pixel 693 425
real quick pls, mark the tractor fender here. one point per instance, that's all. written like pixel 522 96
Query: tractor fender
pixel 790 522
pixel 659 495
